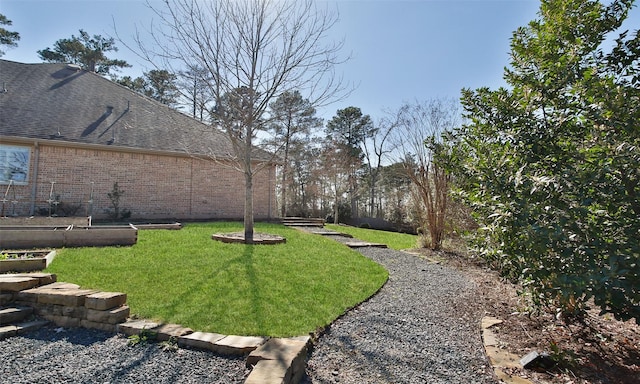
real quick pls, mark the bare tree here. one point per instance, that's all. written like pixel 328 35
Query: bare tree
pixel 419 128
pixel 252 51
pixel 376 147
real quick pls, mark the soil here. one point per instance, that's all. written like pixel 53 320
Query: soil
pixel 598 349
pixel 15 255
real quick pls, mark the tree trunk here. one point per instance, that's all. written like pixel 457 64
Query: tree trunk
pixel 248 189
pixel 284 175
pixel 248 209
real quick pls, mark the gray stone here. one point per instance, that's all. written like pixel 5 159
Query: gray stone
pixel 535 360
pixel 200 340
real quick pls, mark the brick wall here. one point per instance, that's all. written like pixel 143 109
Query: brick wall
pixel 156 186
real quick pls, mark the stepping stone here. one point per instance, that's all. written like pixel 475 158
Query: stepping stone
pixel 362 244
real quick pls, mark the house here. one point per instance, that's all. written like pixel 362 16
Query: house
pixel 68 135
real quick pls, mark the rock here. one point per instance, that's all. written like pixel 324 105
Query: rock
pixel 535 360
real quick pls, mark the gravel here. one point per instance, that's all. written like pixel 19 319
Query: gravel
pixel 56 355
pixel 416 329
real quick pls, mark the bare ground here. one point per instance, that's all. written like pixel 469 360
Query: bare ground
pixel 598 350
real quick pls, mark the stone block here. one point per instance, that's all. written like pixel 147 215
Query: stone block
pixel 12 283
pixel 237 345
pixel 100 326
pixel 66 297
pixel 105 300
pixel 27 296
pixel 200 340
pixel 63 321
pixel 43 278
pixel 134 327
pixel 45 310
pixel 31 325
pixel 535 360
pixel 14 314
pixel 6 298
pixel 79 312
pixel 167 331
pixel 268 371
pixel 7 331
pixel 283 355
pixel 113 316
pixel 61 285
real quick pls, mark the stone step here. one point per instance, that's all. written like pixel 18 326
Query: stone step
pixel 14 314
pixel 363 244
pixel 278 361
pixel 17 329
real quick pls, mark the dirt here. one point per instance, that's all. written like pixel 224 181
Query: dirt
pixel 26 254
pixel 598 349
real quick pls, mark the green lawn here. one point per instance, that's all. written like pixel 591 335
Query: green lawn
pixel 393 240
pixel 185 277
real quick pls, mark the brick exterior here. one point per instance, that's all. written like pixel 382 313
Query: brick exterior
pixel 156 185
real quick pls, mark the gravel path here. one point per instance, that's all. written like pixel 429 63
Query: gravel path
pixel 417 329
pixel 89 356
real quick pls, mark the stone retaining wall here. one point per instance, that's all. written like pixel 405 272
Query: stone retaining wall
pixel 67 305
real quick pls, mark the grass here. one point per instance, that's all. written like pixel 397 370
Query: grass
pixel 393 240
pixel 184 277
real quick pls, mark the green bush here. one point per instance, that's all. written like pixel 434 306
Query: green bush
pixel 550 166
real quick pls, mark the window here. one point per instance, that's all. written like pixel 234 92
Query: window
pixel 14 164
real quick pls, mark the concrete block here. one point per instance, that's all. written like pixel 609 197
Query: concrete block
pixel 11 283
pixel 43 278
pixel 284 350
pixel 167 331
pixel 105 300
pixel 14 314
pixel 268 372
pixel 63 321
pixel 30 325
pixel 64 296
pixel 134 327
pixel 237 345
pixel 61 285
pixel 8 331
pixel 113 316
pixel 6 298
pixel 79 312
pixel 200 340
pixel 100 326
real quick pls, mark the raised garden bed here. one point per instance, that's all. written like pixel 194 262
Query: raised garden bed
pixel 25 260
pixel 24 237
pixel 45 221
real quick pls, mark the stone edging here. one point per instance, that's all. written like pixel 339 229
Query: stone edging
pixel 499 358
pixel 273 360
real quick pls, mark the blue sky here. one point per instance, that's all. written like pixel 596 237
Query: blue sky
pixel 400 50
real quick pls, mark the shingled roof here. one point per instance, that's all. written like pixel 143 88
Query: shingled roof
pixel 63 103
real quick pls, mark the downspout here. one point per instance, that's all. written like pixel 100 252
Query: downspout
pixel 34 186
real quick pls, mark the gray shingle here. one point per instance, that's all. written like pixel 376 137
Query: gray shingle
pixel 59 102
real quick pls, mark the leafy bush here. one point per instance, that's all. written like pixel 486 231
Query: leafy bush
pixel 550 166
